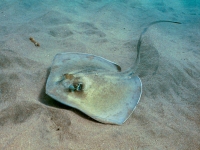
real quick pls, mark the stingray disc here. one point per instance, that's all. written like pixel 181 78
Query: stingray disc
pixel 94 86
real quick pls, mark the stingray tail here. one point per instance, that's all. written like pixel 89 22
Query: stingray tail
pixel 133 69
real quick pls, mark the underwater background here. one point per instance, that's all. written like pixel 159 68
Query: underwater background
pixel 33 32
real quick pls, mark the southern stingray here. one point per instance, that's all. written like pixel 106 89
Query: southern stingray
pixel 96 86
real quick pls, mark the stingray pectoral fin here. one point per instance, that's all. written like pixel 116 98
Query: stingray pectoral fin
pixel 110 99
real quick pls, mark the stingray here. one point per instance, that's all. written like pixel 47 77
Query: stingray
pixel 95 85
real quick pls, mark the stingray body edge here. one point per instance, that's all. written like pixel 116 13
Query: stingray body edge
pixel 107 95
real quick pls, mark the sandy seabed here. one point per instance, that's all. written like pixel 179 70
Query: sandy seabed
pixel 168 115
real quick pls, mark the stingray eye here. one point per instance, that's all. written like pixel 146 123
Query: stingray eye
pixel 72 88
pixel 76 87
pixel 79 87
